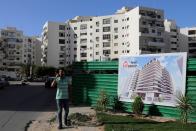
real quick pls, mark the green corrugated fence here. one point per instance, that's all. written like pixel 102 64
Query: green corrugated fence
pixel 88 84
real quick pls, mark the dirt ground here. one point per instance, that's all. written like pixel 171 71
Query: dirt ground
pixel 47 122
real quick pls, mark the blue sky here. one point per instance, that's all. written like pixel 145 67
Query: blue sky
pixel 30 15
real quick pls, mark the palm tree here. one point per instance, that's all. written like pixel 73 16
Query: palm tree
pixel 184 104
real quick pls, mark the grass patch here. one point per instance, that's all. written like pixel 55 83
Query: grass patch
pixel 128 123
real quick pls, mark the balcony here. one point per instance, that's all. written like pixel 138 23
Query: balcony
pixel 148 34
pixel 173 46
pixel 158 44
pixel 150 17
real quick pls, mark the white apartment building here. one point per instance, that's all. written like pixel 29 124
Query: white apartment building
pixel 188 41
pixel 17 49
pixel 129 31
pixel 171 36
pixel 54 44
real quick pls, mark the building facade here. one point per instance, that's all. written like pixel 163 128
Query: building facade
pixel 188 41
pixel 172 39
pixel 130 31
pixel 17 49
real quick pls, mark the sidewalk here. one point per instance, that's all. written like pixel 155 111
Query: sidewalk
pixel 46 121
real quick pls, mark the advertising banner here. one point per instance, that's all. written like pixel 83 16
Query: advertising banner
pixel 157 78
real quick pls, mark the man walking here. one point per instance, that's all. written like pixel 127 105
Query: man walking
pixel 62 97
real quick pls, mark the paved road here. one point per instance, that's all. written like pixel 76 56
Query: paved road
pixel 21 104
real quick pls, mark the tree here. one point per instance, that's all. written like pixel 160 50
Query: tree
pixel 184 104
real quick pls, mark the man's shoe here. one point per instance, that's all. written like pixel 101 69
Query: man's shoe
pixel 60 127
pixel 67 122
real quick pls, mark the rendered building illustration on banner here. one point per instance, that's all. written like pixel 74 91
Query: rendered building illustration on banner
pixel 157 78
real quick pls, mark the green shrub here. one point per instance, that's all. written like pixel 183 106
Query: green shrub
pixel 138 106
pixel 118 105
pixel 102 101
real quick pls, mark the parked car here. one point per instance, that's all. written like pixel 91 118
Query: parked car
pixel 3 83
pixel 48 82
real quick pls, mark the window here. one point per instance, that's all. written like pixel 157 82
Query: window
pixel 153 31
pixel 116 30
pixel 61 56
pixel 192 38
pixel 61 34
pixel 115 21
pixel 75 42
pixel 116 37
pixel 97 53
pixel 81 34
pixel 106 44
pixel 91 33
pixel 83 54
pixel 173 36
pixel 97 23
pixel 97 30
pixel 159 33
pixel 83 41
pixel 192 32
pixel 106 29
pixel 106 37
pixel 62 48
pixel 106 52
pixel 115 44
pixel 61 62
pixel 75 35
pixel 192 44
pixel 128 19
pixel 97 45
pixel 75 28
pixel 83 26
pixel 115 52
pixel 91 26
pixel 173 30
pixel 123 27
pixel 90 19
pixel 127 51
pixel 106 21
pixel 97 38
pixel 83 48
pixel 61 41
pixel 61 27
